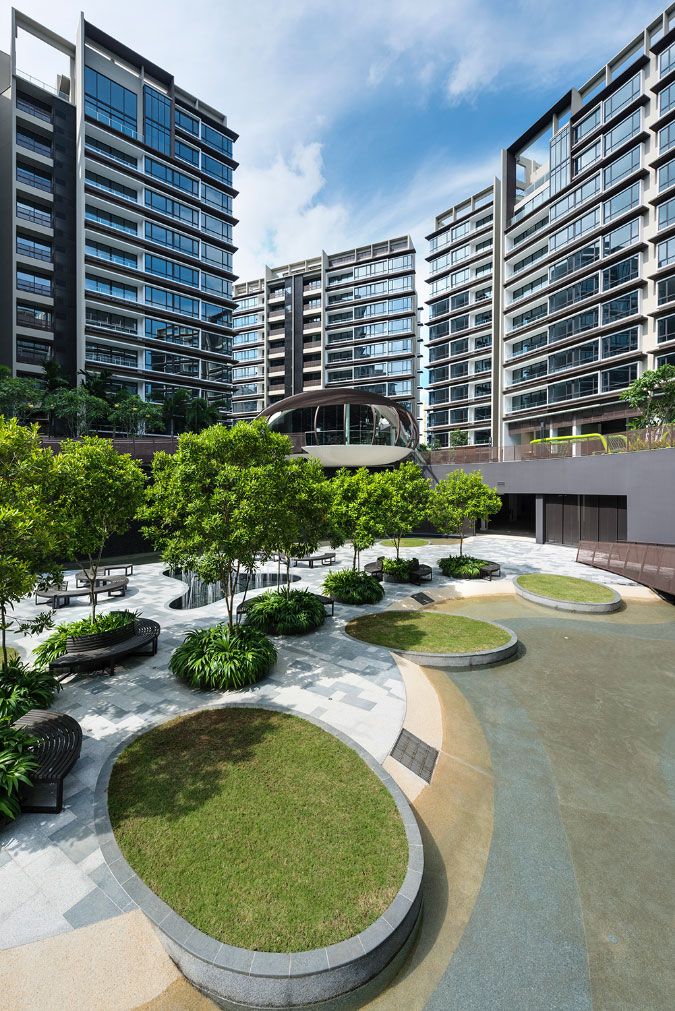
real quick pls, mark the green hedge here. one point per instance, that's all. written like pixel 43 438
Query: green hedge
pixel 285 612
pixel 399 568
pixel 348 586
pixel 462 566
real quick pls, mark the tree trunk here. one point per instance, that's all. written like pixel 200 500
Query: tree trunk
pixel 288 573
pixel 355 558
pixel 461 542
pixel 3 616
pixel 397 541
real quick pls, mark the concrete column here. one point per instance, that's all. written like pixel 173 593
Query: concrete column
pixel 539 521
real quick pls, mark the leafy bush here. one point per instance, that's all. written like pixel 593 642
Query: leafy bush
pixel 55 645
pixel 349 586
pixel 461 566
pixel 222 658
pixel 400 568
pixel 23 688
pixel 16 765
pixel 285 612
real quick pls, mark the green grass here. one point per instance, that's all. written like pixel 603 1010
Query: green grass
pixel 576 591
pixel 406 542
pixel 427 632
pixel 259 828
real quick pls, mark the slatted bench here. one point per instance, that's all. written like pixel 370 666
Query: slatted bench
pixel 327 558
pixel 422 574
pixel 489 570
pixel 116 586
pixel 59 740
pixel 80 660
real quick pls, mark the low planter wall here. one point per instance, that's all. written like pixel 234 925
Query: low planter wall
pixel 481 658
pixel 99 640
pixel 261 979
pixel 605 607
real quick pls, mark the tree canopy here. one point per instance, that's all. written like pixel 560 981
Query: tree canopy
pixel 459 497
pixel 356 509
pixel 653 395
pixel 403 498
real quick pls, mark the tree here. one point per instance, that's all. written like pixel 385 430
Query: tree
pixel 404 500
pixel 99 384
pixel 459 438
pixel 298 514
pixel 200 413
pixel 207 507
pixel 78 410
pixel 54 380
pixel 356 512
pixel 173 410
pixel 459 497
pixel 134 416
pixel 653 395
pixel 30 533
pixel 99 492
pixel 19 398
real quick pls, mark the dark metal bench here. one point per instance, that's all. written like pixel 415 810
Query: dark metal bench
pixel 114 587
pixel 76 661
pixel 375 569
pixel 59 740
pixel 246 604
pixel 422 574
pixel 489 570
pixel 327 558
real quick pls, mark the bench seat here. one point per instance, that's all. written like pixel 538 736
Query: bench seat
pixel 59 740
pixel 146 634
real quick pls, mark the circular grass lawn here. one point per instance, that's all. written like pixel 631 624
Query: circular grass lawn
pixel 566 588
pixel 406 542
pixel 259 828
pixel 427 632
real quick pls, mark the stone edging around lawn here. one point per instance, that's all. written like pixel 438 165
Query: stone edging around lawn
pixel 481 657
pixel 603 607
pixel 266 979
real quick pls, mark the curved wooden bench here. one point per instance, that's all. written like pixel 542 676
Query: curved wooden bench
pixel 59 740
pixel 76 661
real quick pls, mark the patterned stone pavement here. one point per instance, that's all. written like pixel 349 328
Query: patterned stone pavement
pixel 52 875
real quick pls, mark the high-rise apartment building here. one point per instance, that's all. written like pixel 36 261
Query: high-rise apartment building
pixel 116 247
pixel 346 319
pixel 584 260
pixel 463 312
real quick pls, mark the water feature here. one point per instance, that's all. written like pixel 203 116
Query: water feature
pixel 199 594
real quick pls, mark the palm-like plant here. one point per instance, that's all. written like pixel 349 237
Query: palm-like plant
pixel 350 586
pixel 285 612
pixel 223 658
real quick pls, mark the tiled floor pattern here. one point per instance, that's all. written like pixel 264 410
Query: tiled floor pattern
pixel 52 877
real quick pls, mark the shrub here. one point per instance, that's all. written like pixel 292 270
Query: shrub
pixel 16 765
pixel 55 645
pixel 23 688
pixel 399 568
pixel 461 566
pixel 285 612
pixel 349 586
pixel 222 658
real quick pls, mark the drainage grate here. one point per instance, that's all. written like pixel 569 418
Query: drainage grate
pixel 417 756
pixel 422 598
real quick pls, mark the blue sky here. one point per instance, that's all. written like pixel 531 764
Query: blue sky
pixel 359 119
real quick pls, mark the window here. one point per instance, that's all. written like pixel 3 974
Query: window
pixel 575 293
pixel 170 269
pixel 459 347
pixel 104 252
pixel 620 99
pixel 528 344
pixel 482 389
pixel 529 316
pixel 623 166
pixel 210 195
pixel 523 401
pixel 109 102
pixel 459 393
pixel 216 226
pixel 186 122
pixel 187 153
pixel 34 316
pixel 32 212
pixel 34 177
pixel 37 284
pixel 667 60
pixel 666 290
pixel 619 378
pixel 215 314
pixel 110 356
pixel 619 273
pixel 157 108
pixel 665 252
pixel 666 175
pixel 459 323
pixel 619 343
pixel 667 100
pixel 585 386
pixel 484 341
pixel 459 415
pixel 34 108
pixel 458 370
pixel 174 333
pixel 621 202
pixel 459 301
pixel 218 169
pixel 621 237
pixel 575 261
pixel 110 320
pixel 572 358
pixel 217 256
pixel 666 138
pixel 530 258
pixel 110 185
pixel 521 236
pixel 214 284
pixel 173 208
pixel 587 157
pixel 111 220
pixel 33 248
pixel 482 414
pixel 577 228
pixel 622 132
pixel 625 305
pixel 174 240
pixel 172 301
pixel 32 142
pixel 31 351
pixel 576 197
pixel 527 289
pixel 574 324
pixel 111 152
pixel 587 125
pixel 667 213
pixel 666 329
pixel 171 176
pixel 528 372
pixel 216 139
pixel 482 365
pixel 104 286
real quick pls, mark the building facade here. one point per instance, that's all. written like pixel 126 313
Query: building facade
pixel 584 259
pixel 117 189
pixel 346 319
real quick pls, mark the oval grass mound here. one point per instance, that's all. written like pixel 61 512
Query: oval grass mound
pixel 259 828
pixel 406 542
pixel 427 632
pixel 566 588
